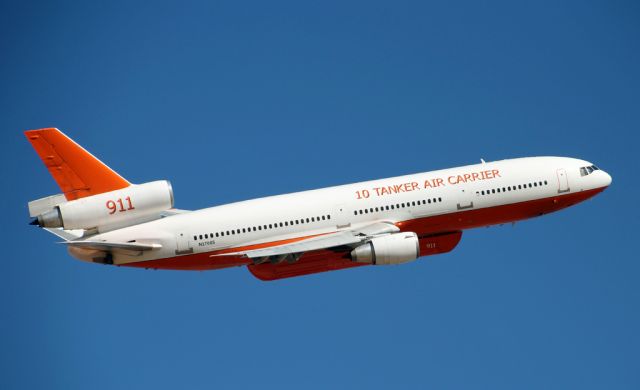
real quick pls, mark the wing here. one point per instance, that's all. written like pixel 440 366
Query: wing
pixel 292 251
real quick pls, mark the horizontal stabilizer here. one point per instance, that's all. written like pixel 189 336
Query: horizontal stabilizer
pixel 67 235
pixel 109 246
pixel 172 212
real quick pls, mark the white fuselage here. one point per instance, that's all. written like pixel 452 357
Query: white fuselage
pixel 398 199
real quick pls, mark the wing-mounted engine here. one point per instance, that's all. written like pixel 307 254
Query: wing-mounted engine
pixel 106 211
pixel 395 248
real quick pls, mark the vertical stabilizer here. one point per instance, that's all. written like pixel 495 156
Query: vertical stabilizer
pixel 78 173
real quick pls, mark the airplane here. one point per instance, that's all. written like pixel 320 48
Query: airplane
pixel 103 218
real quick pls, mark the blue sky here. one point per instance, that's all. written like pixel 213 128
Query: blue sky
pixel 236 100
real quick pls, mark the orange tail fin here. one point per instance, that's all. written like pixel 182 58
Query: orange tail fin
pixel 78 173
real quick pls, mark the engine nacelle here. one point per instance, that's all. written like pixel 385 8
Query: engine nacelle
pixel 128 206
pixel 395 248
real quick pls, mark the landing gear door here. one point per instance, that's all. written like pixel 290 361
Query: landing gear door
pixel 183 244
pixel 563 181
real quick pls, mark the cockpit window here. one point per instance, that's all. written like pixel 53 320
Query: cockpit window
pixel 584 171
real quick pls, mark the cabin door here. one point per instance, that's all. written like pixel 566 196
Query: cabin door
pixel 563 181
pixel 342 216
pixel 465 199
pixel 183 244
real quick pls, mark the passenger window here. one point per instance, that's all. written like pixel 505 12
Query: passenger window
pixel 439 199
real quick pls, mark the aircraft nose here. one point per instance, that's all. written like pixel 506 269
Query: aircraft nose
pixel 606 179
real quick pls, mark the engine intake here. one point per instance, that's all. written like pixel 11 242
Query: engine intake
pixel 395 248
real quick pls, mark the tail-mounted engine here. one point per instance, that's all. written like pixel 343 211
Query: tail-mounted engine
pixel 107 211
